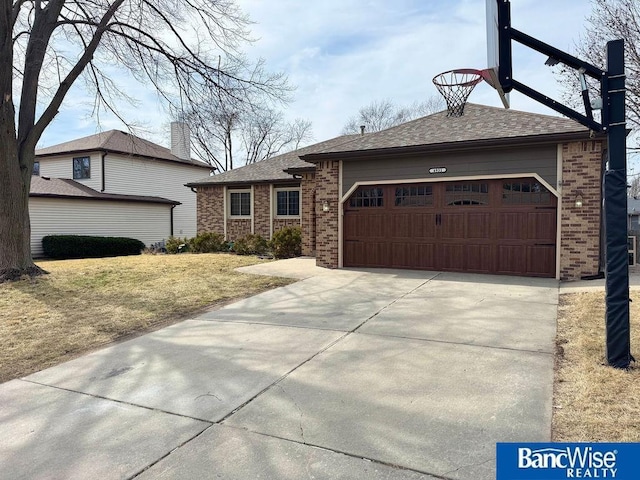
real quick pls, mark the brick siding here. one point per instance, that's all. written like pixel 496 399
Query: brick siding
pixel 280 223
pixel 210 209
pixel 580 227
pixel 327 222
pixel 261 210
pixel 211 215
pixel 238 227
pixel 308 214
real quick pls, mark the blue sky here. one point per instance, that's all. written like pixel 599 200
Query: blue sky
pixel 344 54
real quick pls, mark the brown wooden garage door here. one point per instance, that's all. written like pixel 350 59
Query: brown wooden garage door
pixel 493 226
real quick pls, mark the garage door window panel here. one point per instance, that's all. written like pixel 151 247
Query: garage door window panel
pixel 414 196
pixel 367 197
pixel 525 193
pixel 466 194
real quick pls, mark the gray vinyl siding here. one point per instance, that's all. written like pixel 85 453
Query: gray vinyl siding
pixel 139 176
pixel 541 160
pixel 62 167
pixel 148 222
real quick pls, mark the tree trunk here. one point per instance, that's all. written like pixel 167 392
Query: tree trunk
pixel 15 228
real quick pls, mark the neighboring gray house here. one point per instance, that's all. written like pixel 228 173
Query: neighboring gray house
pixel 633 214
pixel 114 183
pixel 65 207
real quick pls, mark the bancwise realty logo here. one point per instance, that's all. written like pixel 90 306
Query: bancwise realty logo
pixel 552 461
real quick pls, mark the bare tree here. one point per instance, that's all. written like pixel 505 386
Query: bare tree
pixel 433 104
pixel 382 114
pixel 264 134
pixel 45 47
pixel 247 132
pixel 609 20
pixel 634 187
pixel 301 133
pixel 213 127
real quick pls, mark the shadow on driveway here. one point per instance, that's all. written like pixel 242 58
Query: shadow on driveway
pixel 350 374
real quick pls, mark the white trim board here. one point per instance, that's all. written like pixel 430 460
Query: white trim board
pixel 353 188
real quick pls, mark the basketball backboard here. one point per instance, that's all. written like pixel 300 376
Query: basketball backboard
pixel 493 51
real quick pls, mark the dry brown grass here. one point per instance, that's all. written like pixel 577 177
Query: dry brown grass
pixel 84 304
pixel 593 402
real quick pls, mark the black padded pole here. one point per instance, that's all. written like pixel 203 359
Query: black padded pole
pixel 615 211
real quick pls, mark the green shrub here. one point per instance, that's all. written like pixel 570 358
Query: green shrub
pixel 252 244
pixel 208 242
pixel 286 242
pixel 177 245
pixel 82 246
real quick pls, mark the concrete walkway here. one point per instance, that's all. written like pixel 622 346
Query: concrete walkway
pixel 596 285
pixel 343 375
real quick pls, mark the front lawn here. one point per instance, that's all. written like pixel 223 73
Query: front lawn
pixel 593 402
pixel 85 304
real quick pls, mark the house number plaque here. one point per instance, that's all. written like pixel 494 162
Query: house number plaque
pixel 438 170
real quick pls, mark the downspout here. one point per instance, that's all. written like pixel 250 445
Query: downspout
pixel 102 168
pixel 171 220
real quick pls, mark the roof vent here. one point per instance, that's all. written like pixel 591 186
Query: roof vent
pixel 181 140
pixel 362 127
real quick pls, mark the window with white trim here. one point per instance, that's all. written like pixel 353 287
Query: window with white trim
pixel 287 202
pixel 240 203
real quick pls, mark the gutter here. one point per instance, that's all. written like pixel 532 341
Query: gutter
pixel 247 183
pixel 108 197
pixel 298 170
pixel 191 163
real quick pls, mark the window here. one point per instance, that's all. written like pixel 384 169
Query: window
pixel 525 193
pixel 414 196
pixel 240 202
pixel 467 194
pixel 36 169
pixel 367 197
pixel 288 203
pixel 81 168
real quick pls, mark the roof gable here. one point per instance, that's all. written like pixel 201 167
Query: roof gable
pixel 116 141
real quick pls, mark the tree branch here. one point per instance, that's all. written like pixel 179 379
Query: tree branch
pixel 52 109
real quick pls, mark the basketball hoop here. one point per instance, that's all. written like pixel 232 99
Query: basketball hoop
pixel 456 86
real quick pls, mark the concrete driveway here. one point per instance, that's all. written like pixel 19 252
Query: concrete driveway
pixel 342 375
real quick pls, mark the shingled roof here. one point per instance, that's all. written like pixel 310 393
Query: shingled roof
pixel 480 124
pixel 116 141
pixel 66 188
pixel 272 169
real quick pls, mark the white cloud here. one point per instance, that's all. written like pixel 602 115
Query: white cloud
pixel 343 54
